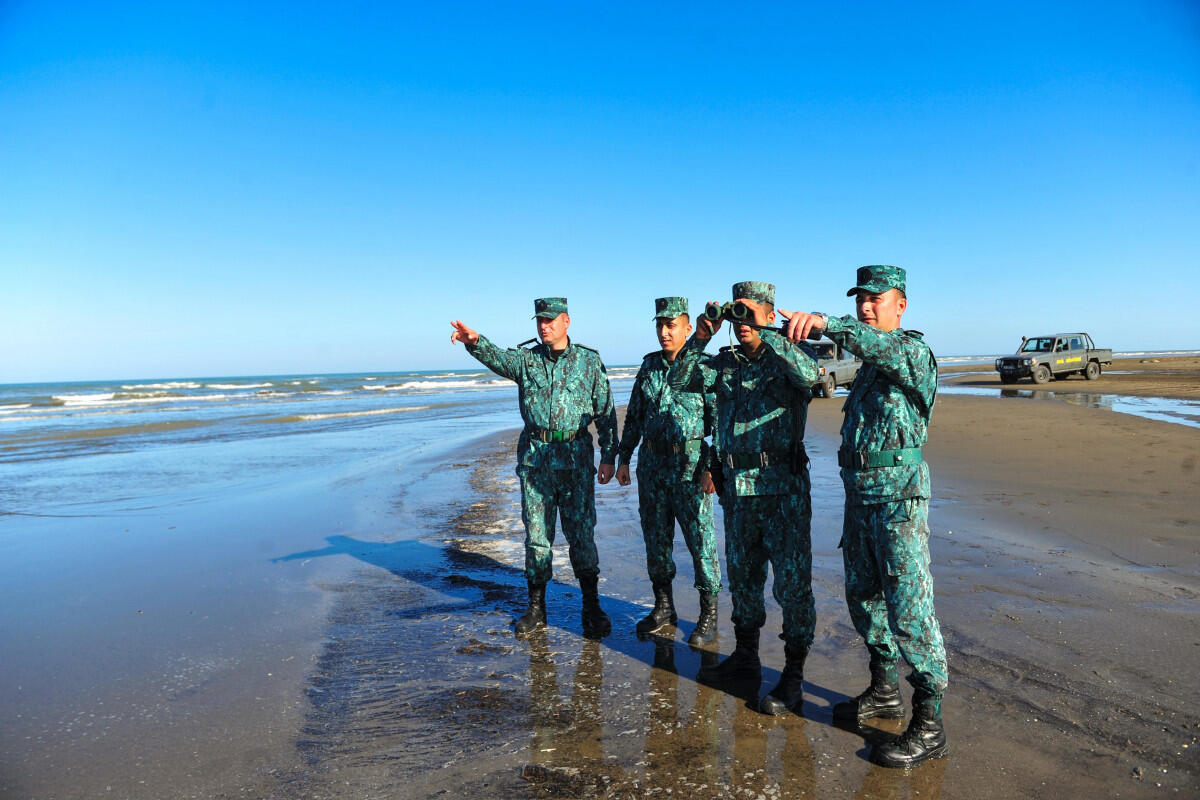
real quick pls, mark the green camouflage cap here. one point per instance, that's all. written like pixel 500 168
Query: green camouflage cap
pixel 758 291
pixel 878 278
pixel 549 307
pixel 670 307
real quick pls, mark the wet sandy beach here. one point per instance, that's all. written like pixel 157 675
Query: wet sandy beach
pixel 1065 546
pixel 1066 556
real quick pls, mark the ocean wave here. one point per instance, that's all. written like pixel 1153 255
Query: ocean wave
pixel 164 385
pixel 238 385
pixel 102 399
pixel 160 395
pixel 483 383
pixel 344 414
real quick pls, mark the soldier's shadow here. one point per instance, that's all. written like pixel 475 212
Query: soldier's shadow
pixel 461 580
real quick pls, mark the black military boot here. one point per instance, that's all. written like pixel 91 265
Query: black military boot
pixel 880 699
pixel 706 626
pixel 596 624
pixel 788 694
pixel 925 738
pixel 742 664
pixel 534 616
pixel 663 612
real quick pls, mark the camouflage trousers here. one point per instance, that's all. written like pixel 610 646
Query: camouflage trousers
pixel 550 493
pixel 662 502
pixel 772 528
pixel 889 590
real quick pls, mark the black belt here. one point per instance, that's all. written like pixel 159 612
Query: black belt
pixel 543 435
pixel 752 460
pixel 873 459
pixel 661 447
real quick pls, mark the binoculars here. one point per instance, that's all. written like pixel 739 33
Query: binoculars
pixel 734 312
pixel 741 314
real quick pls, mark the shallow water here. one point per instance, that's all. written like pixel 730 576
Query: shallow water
pixel 1164 409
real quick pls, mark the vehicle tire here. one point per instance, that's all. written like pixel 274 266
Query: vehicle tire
pixel 1007 378
pixel 1093 370
pixel 828 384
pixel 1041 374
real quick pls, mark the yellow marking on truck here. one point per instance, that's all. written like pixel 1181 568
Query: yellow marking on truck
pixel 1074 358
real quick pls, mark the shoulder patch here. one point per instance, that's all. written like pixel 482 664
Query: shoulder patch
pixel 914 334
pixel 652 354
pixel 585 347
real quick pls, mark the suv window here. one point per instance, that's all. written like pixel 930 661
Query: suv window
pixel 1076 343
pixel 1040 345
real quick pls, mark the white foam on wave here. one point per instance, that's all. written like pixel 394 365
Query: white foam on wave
pixel 103 399
pixel 167 385
pixel 373 412
pixel 238 385
pixel 435 385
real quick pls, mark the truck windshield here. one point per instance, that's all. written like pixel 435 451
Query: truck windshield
pixel 823 350
pixel 1037 345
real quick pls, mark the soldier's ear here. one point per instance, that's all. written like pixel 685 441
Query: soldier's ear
pixel 901 305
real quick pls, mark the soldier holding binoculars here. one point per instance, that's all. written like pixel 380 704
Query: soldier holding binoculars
pixel 762 389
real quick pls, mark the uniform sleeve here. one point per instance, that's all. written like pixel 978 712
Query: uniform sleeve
pixel 710 419
pixel 635 414
pixel 606 417
pixel 903 359
pixel 686 374
pixel 505 363
pixel 798 366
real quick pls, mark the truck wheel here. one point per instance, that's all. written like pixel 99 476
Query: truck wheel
pixel 1093 370
pixel 1007 378
pixel 828 384
pixel 1041 374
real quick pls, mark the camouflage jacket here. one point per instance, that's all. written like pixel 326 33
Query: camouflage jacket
pixel 889 407
pixel 563 394
pixel 762 407
pixel 662 415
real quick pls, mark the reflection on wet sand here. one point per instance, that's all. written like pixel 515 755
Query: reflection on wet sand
pixel 720 747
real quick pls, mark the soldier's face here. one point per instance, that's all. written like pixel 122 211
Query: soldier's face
pixel 749 336
pixel 883 310
pixel 553 332
pixel 672 333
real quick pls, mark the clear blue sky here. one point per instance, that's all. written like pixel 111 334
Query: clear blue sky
pixel 210 189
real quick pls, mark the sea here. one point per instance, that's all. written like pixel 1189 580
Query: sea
pixel 58 441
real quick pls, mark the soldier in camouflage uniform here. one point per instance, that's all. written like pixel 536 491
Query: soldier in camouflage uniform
pixel 763 390
pixel 563 388
pixel 673 476
pixel 885 538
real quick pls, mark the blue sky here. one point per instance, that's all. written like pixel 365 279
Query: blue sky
pixel 209 189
